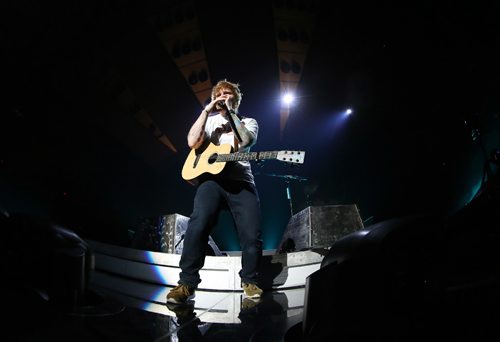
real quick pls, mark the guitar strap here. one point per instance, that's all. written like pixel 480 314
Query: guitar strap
pixel 236 134
pixel 235 144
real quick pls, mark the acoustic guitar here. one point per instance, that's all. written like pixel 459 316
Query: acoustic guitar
pixel 213 159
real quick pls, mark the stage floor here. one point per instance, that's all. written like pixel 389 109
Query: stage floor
pixel 125 301
pixel 117 317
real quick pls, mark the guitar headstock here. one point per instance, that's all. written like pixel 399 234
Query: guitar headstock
pixel 294 157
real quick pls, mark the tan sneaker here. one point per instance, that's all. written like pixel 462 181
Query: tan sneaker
pixel 252 290
pixel 180 294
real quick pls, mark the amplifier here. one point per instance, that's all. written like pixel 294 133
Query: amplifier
pixel 319 227
pixel 172 228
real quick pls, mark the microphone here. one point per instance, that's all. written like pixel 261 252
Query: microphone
pixel 222 104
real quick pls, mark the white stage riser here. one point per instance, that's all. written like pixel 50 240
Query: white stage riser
pixel 220 273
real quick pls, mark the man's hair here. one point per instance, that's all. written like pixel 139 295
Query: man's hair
pixel 235 89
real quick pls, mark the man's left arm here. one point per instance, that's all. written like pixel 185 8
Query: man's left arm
pixel 248 136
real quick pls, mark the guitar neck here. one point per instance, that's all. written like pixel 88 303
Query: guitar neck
pixel 241 156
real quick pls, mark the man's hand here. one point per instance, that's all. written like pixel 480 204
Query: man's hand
pixel 223 103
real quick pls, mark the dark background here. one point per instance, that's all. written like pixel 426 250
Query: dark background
pixel 421 79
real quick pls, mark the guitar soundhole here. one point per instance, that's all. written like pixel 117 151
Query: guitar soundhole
pixel 212 159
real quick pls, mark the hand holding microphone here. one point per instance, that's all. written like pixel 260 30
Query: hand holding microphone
pixel 224 102
pixel 218 103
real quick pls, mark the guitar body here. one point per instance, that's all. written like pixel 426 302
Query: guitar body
pixel 199 162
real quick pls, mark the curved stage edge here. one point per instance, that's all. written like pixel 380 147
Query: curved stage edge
pixel 142 279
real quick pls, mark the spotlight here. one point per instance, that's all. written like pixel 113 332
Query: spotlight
pixel 288 99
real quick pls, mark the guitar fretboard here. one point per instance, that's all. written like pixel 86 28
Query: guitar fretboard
pixel 240 156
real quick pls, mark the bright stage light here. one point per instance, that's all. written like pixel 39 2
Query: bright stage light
pixel 288 99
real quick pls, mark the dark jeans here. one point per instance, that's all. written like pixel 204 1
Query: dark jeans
pixel 211 197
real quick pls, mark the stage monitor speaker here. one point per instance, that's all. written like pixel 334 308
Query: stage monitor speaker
pixel 172 229
pixel 319 227
pixel 393 272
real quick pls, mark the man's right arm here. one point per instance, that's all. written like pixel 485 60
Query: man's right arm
pixel 196 134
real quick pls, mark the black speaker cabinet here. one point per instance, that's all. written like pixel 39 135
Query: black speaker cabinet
pixel 172 228
pixel 319 227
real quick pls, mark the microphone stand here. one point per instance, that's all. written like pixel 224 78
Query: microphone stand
pixel 287 179
pixel 289 196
